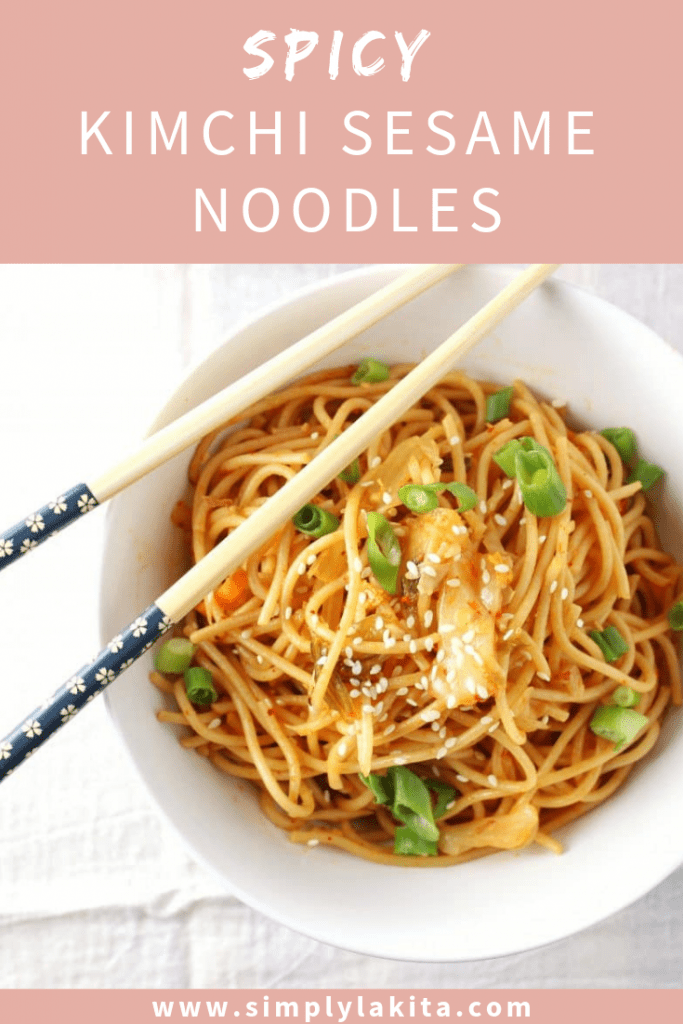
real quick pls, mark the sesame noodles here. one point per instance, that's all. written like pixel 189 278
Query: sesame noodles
pixel 479 672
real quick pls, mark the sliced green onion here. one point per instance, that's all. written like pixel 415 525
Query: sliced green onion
pixel 647 473
pixel 408 844
pixel 370 371
pixel 445 795
pixel 676 615
pixel 175 656
pixel 505 456
pixel 621 725
pixel 351 475
pixel 625 697
pixel 624 440
pixel 498 405
pixel 542 489
pixel 315 521
pixel 384 552
pixel 422 497
pixel 412 803
pixel 199 686
pixel 381 787
pixel 610 642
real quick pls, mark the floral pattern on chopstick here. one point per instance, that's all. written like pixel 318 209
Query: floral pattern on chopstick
pixel 46 522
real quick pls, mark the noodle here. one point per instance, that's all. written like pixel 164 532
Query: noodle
pixel 321 674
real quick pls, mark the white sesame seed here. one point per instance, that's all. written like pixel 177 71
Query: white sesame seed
pixel 544 676
pixel 384 683
pixel 553 587
pixel 558 403
pixel 406 638
pixel 429 617
pixel 402 691
pixel 357 564
pixel 412 647
pixel 564 594
pixel 450 701
pixel 311 559
pixel 389 729
pixel 482 692
pixel 354 693
pixel 589 494
pixel 288 612
pixel 506 636
pixel 447 627
pixel 362 597
pixel 492 780
pixel 375 669
pixel 486 577
pixel 214 723
pixel 400 760
pixel 413 703
pixel 494 727
pixel 501 520
pixel 322 660
pixel 357 640
pixel 377 461
pixel 379 623
pixel 246 634
pixel 412 568
pixel 501 567
pixel 259 658
pixel 341 749
pixel 455 530
pixel 313 842
pixel 522 521
pixel 506 484
pixel 348 651
pixel 468 637
pixel 454 582
pixel 441 752
pixel 542 539
pixel 471 686
pixel 440 655
pixel 301 568
pixel 434 558
pixel 486 720
pixel 430 715
pixel 357 669
pixel 469 649
pixel 429 644
pixel 461 778
pixel 386 498
pixel 367 483
pixel 454 440
pixel 482 507
pixel 315 435
pixel 428 570
pixel 579 623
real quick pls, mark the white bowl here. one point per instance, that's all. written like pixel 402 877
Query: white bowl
pixel 564 343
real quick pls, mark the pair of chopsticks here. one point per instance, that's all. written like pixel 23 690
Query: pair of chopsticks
pixel 207 574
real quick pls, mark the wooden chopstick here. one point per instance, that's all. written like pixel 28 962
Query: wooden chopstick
pixel 183 595
pixel 73 503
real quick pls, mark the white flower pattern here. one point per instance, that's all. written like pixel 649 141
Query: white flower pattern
pixel 35 523
pixel 139 627
pixel 105 675
pixel 85 503
pixel 58 505
pixel 68 712
pixel 5 751
pixel 77 685
pixel 27 544
pixel 6 547
pixel 116 644
pixel 32 728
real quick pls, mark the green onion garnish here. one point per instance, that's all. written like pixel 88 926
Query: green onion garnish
pixel 505 456
pixel 351 475
pixel 423 497
pixel 408 797
pixel 542 489
pixel 624 440
pixel 625 697
pixel 621 725
pixel 498 405
pixel 647 473
pixel 610 642
pixel 408 844
pixel 199 686
pixel 384 552
pixel 676 615
pixel 315 521
pixel 370 371
pixel 175 656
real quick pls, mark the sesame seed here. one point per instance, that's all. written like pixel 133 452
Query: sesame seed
pixel 429 644
pixel 450 701
pixel 413 703
pixel 446 628
pixel 386 498
pixel 486 720
pixel 357 640
pixel 589 494
pixel 406 638
pixel 322 660
pixel 469 649
pixel 390 642
pixel 522 521
pixel 389 729
pixel 354 693
pixel 486 577
pixel 362 597
pixel 558 403
pixel 501 567
pixel 315 435
pixel 400 760
pixel 506 636
pixel 461 778
pixel 455 582
pixel 492 780
pixel 454 440
pixel 428 570
pixel 348 651
pixel 482 692
pixel 311 559
pixel 384 683
pixel 450 742
pixel 440 655
pixel 375 669
pixel 246 634
pixel 501 520
pixel 434 558
pixel 429 617
pixel 379 623
pixel 327 796
pixel 542 539
pixel 430 715
pixel 565 594
pixel 402 691
pixel 434 727
pixel 471 686
pixel 441 752
pixel 313 842
pixel 357 669
pixel 468 637
pixel 259 658
pixel 506 484
pixel 301 568
pixel 341 749
pixel 288 612
pixel 544 676
pixel 412 647
pixel 455 530
pixel 579 623
pixel 377 461
pixel 553 586
pixel 412 568
pixel 482 507
pixel 367 483
pixel 214 723
pixel 494 727
pixel 357 564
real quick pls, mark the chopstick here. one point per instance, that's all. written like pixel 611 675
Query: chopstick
pixel 81 498
pixel 183 595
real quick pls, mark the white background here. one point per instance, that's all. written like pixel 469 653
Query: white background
pixel 95 891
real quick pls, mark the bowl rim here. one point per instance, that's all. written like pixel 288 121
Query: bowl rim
pixel 666 865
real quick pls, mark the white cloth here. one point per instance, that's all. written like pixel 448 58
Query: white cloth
pixel 95 891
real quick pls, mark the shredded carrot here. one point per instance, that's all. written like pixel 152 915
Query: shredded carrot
pixel 232 591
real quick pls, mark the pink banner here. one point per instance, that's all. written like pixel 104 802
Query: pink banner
pixel 300 132
pixel 338 1006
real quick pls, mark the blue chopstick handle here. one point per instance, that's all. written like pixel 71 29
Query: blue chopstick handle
pixel 90 680
pixel 46 522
